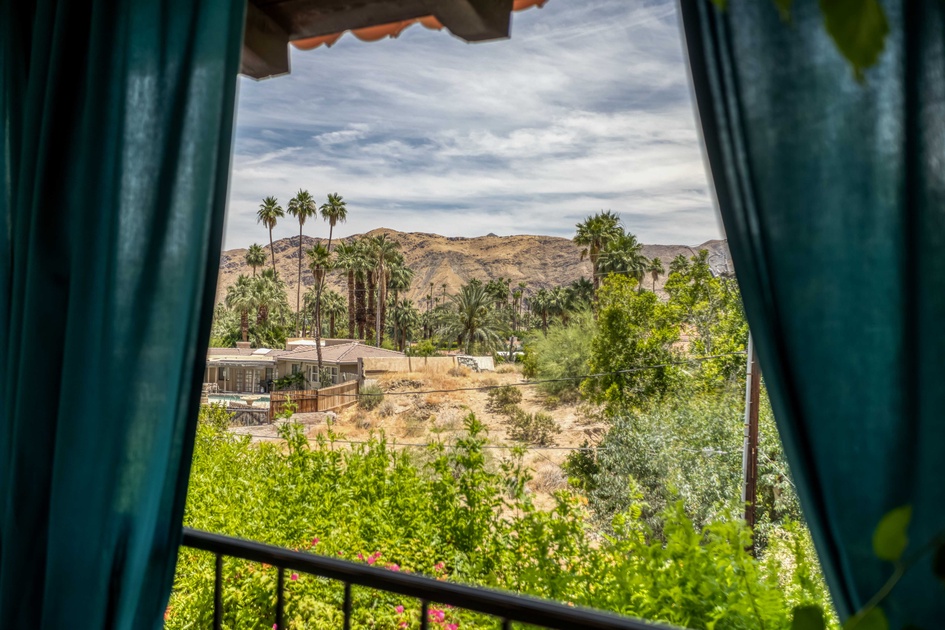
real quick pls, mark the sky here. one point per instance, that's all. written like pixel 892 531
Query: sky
pixel 587 107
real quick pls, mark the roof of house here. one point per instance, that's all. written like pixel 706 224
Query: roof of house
pixel 260 356
pixel 341 353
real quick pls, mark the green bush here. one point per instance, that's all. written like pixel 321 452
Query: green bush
pixel 503 399
pixel 425 348
pixel 456 517
pixel 370 397
pixel 534 428
pixel 561 354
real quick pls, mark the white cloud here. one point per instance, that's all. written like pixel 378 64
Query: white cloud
pixel 586 107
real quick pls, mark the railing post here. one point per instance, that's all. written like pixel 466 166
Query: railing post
pixel 280 600
pixel 218 594
pixel 347 606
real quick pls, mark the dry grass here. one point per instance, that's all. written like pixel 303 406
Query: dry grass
pixel 549 478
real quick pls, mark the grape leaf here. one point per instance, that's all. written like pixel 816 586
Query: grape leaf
pixel 858 28
pixel 890 539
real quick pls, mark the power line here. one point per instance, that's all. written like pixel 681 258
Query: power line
pixel 641 368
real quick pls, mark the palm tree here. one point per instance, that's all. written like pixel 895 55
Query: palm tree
pixel 345 255
pixel 268 214
pixel 269 290
pixel 624 255
pixel 384 254
pixel 302 206
pixel 594 233
pixel 561 303
pixel 400 277
pixel 333 306
pixel 320 263
pixel 240 297
pixel 583 291
pixel 255 257
pixel 334 211
pixel 472 318
pixel 404 317
pixel 656 270
pixel 541 306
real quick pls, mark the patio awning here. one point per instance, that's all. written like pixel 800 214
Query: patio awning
pixel 308 24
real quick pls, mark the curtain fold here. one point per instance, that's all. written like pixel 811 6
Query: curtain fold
pixel 832 193
pixel 116 119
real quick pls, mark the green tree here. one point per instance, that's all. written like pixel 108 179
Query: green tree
pixel 302 206
pixel 561 356
pixel 269 214
pixel 335 211
pixel 541 304
pixel 347 259
pixel 635 330
pixel 333 307
pixel 320 263
pixel 656 270
pixel 624 255
pixel 255 257
pixel 384 254
pixel 240 297
pixel 593 234
pixel 471 318
pixel 269 290
pixel 404 320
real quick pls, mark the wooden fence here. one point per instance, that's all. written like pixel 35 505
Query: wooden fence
pixel 310 400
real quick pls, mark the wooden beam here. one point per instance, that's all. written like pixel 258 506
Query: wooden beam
pixel 265 46
pixel 475 20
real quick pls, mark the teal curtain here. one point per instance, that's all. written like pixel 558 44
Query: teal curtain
pixel 116 119
pixel 832 193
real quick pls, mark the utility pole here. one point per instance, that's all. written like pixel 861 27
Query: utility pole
pixel 750 451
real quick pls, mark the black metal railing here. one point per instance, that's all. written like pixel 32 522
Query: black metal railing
pixel 506 607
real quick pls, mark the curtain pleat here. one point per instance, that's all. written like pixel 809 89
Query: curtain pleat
pixel 116 118
pixel 832 194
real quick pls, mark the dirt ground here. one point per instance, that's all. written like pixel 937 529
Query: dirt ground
pixel 410 419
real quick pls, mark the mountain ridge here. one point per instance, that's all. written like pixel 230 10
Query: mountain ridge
pixel 538 260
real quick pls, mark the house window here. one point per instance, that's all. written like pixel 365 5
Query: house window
pixel 296 367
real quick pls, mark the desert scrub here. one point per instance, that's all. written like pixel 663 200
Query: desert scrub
pixel 386 409
pixel 504 399
pixel 371 396
pixel 534 428
pixel 459 371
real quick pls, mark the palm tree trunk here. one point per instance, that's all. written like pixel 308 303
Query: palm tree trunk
pixel 244 324
pixel 272 250
pixel 371 315
pixel 360 299
pixel 318 321
pixel 298 288
pixel 331 325
pixel 351 320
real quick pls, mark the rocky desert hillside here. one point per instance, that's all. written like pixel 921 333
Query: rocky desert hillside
pixel 539 261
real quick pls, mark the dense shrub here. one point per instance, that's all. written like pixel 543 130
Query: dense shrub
pixel 425 348
pixel 534 428
pixel 503 399
pixel 561 355
pixel 455 517
pixel 370 397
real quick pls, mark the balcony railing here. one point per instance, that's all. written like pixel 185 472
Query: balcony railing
pixel 506 607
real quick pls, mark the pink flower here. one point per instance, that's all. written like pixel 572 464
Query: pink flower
pixel 275 626
pixel 393 567
pixel 371 560
pixel 400 610
pixel 339 553
pixel 294 577
pixel 452 626
pixel 437 615
pixel 439 566
pixel 360 556
pixel 402 624
pixel 314 541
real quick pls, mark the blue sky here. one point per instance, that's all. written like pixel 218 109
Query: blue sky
pixel 586 107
